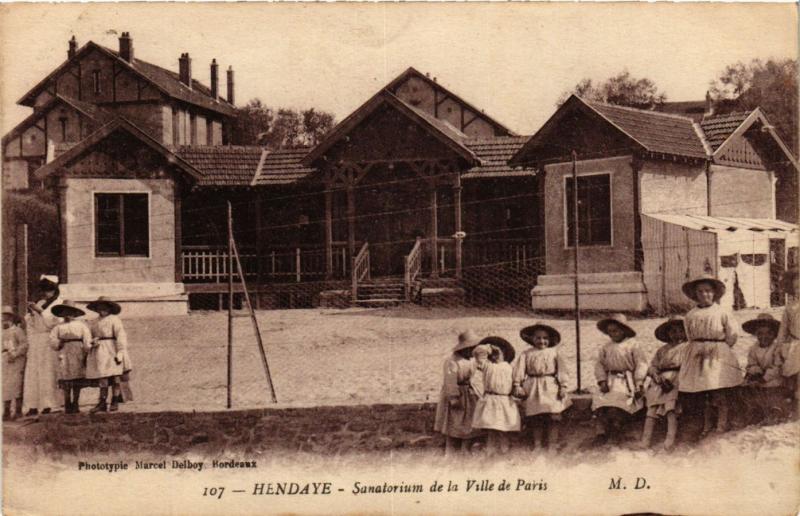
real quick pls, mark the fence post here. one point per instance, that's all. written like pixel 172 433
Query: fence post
pixel 230 303
pixel 297 264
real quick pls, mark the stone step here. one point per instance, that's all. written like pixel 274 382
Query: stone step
pixel 364 297
pixel 378 303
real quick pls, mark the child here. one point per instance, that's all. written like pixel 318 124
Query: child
pixel 104 364
pixel 495 411
pixel 662 392
pixel 540 379
pixel 457 402
pixel 764 365
pixel 40 386
pixel 710 369
pixel 72 339
pixel 620 369
pixel 789 339
pixel 15 348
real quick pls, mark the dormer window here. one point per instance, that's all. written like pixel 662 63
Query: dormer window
pixel 96 81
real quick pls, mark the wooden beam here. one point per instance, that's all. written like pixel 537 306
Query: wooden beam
pixel 465 125
pixel 459 241
pixel 434 231
pixel 63 277
pixel 178 206
pixel 351 223
pixel 328 231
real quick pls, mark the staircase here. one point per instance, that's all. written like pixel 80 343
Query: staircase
pixel 380 292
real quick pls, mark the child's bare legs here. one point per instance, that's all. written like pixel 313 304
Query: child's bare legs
pixel 504 442
pixel 452 446
pixel 553 428
pixel 537 423
pixel 672 430
pixel 115 396
pixel 719 399
pixel 647 434
pixel 708 415
pixel 492 439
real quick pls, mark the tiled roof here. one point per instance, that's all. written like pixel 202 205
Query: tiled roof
pixel 494 154
pixel 282 167
pixel 718 128
pixel 694 109
pixel 223 165
pixel 657 132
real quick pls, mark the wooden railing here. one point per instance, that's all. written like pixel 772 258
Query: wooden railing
pixel 209 264
pixel 513 253
pixel 360 268
pixel 412 267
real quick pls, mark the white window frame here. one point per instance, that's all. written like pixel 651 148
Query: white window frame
pixel 95 193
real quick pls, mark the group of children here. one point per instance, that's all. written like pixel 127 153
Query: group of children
pixel 82 354
pixel 485 390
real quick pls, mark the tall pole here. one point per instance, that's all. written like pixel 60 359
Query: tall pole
pixel 575 241
pixel 230 302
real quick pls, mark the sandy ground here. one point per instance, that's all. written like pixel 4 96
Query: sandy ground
pixel 324 357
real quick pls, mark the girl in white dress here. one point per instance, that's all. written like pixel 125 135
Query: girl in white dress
pixel 40 386
pixel 104 365
pixel 457 401
pixel 764 364
pixel 710 369
pixel 495 411
pixel 620 369
pixel 789 339
pixel 662 392
pixel 540 380
pixel 72 339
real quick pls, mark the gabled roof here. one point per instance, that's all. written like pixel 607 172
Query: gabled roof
pixel 282 167
pixel 223 166
pixel 494 154
pixel 91 111
pixel 118 124
pixel 413 72
pixel 649 131
pixel 719 127
pixel 443 132
pixel 164 80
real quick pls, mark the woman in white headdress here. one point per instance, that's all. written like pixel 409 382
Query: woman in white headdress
pixel 40 390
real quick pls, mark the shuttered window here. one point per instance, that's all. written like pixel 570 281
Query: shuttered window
pixel 122 225
pixel 594 210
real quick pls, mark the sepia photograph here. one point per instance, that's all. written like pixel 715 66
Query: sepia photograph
pixel 400 258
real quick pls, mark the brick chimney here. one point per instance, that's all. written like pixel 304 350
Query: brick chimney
pixel 73 47
pixel 709 105
pixel 185 69
pixel 230 85
pixel 126 47
pixel 214 79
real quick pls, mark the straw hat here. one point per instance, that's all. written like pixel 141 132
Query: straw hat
pixel 101 301
pixel 690 287
pixel 527 332
pixel 662 331
pixel 8 310
pixel 618 319
pixel 500 342
pixel 466 340
pixel 753 325
pixel 67 309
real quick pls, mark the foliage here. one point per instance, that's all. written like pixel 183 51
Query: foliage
pixel 622 89
pixel 770 85
pixel 258 124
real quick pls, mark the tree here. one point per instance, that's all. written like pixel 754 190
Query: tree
pixel 770 85
pixel 258 124
pixel 622 89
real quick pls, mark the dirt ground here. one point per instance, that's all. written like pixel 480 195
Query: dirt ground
pixel 324 357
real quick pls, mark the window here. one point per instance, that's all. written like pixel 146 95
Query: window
pixel 96 81
pixel 175 128
pixel 122 226
pixel 594 210
pixel 209 132
pixel 193 129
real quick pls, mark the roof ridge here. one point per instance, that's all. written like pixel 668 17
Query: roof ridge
pixel 638 110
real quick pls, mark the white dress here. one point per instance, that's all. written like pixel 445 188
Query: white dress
pixel 789 339
pixel 540 372
pixel 710 363
pixel 495 410
pixel 456 421
pixel 623 366
pixel 102 359
pixel 40 390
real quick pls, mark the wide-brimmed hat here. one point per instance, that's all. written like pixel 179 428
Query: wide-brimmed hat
pixel 508 350
pixel 662 331
pixel 767 320
pixel 9 310
pixel 527 332
pixel 690 287
pixel 618 319
pixel 67 309
pixel 101 301
pixel 466 340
